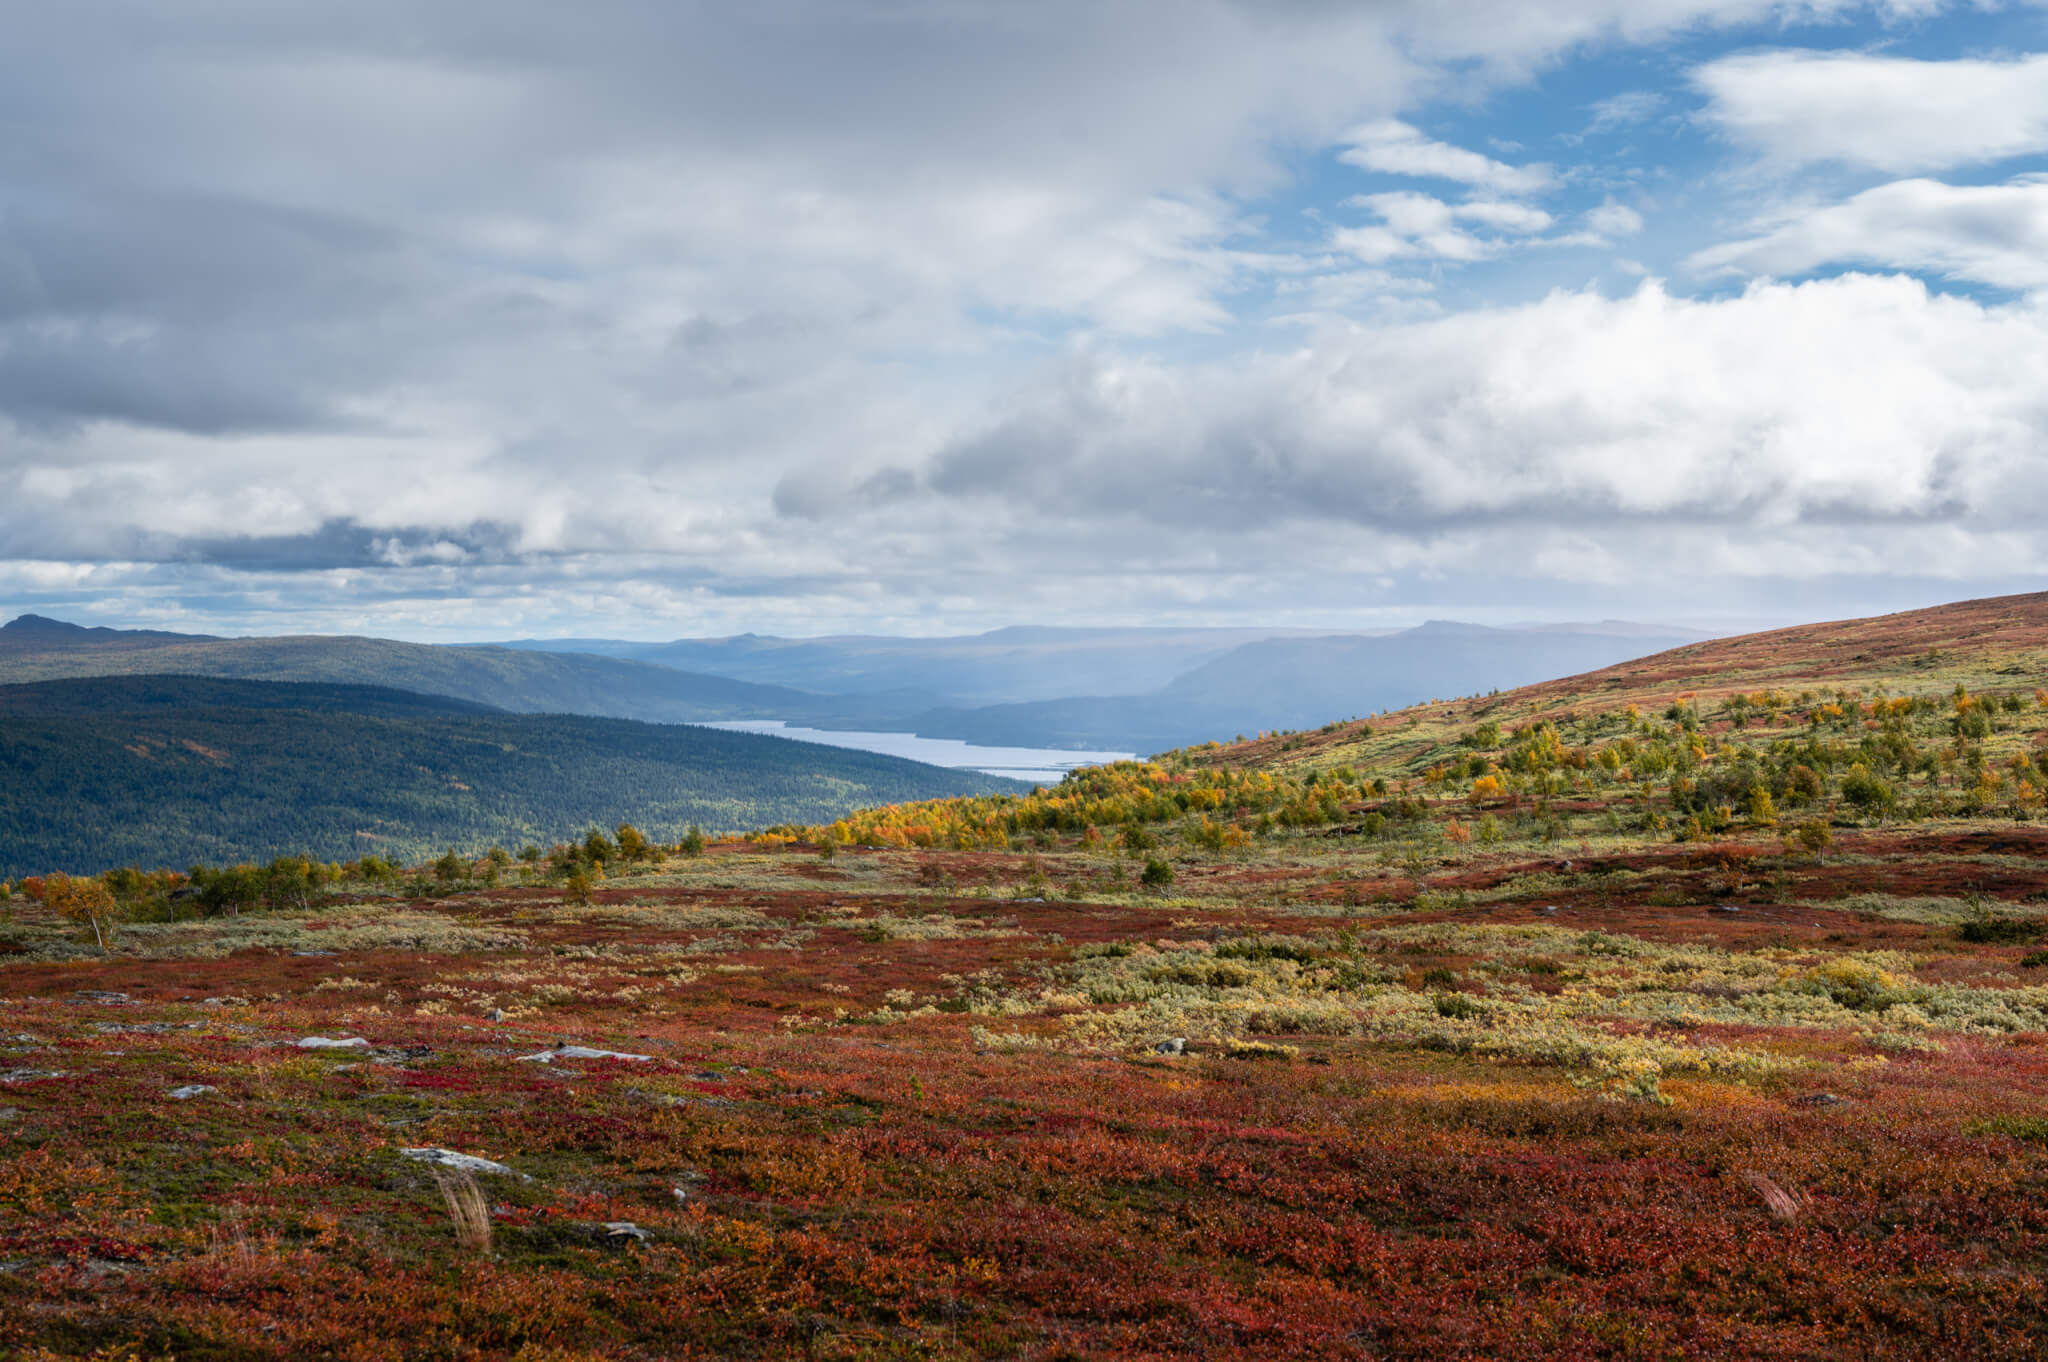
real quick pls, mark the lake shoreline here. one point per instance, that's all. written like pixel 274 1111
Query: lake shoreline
pixel 1035 765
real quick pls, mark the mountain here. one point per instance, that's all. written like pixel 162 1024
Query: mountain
pixel 1288 683
pixel 35 649
pixel 156 770
pixel 1000 667
pixel 34 630
pixel 1108 689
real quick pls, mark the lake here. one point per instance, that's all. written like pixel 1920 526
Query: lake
pixel 1040 765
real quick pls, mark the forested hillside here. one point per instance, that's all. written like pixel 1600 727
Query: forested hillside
pixel 35 649
pixel 171 770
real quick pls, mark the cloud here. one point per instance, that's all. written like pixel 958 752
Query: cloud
pixel 1613 219
pixel 1418 226
pixel 1623 110
pixel 1392 147
pixel 491 301
pixel 1892 114
pixel 1988 234
pixel 1818 412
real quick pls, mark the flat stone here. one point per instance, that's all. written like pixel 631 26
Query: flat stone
pixel 29 1075
pixel 323 1043
pixel 101 996
pixel 1174 1046
pixel 465 1163
pixel 189 1091
pixel 580 1052
pixel 619 1232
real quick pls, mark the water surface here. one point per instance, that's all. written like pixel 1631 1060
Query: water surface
pixel 1041 765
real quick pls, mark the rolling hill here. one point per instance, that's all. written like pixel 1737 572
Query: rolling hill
pixel 154 770
pixel 1691 1007
pixel 1119 689
pixel 37 649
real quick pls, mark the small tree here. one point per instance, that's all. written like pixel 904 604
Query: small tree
pixel 232 889
pixel 291 880
pixel 693 842
pixel 632 845
pixel 451 867
pixel 577 891
pixel 1157 874
pixel 84 901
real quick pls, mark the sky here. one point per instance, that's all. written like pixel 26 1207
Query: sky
pixel 653 318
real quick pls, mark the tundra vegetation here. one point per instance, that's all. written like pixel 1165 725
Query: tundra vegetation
pixel 1697 1008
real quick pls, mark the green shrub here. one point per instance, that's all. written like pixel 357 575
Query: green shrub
pixel 1996 931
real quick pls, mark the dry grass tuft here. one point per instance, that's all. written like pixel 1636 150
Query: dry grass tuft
pixel 466 1208
pixel 1784 1205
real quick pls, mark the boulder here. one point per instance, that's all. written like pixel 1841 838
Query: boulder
pixel 464 1163
pixel 580 1052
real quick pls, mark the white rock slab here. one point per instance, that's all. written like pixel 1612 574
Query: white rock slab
pixel 467 1163
pixel 581 1052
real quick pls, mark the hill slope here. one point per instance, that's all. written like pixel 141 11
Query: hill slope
pixel 170 770
pixel 33 649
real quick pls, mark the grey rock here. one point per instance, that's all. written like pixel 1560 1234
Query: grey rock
pixel 619 1233
pixel 1177 1045
pixel 101 996
pixel 580 1052
pixel 323 1043
pixel 465 1163
pixel 189 1091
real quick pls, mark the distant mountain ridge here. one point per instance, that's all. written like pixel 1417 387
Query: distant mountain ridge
pixel 1291 683
pixel 502 678
pixel 1019 663
pixel 1140 690
pixel 28 630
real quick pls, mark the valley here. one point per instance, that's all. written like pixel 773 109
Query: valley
pixel 1697 1007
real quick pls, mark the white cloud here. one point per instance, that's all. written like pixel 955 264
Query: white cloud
pixel 1815 413
pixel 1518 218
pixel 1419 226
pixel 1396 148
pixel 1893 114
pixel 1624 110
pixel 1613 219
pixel 498 298
pixel 1988 234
